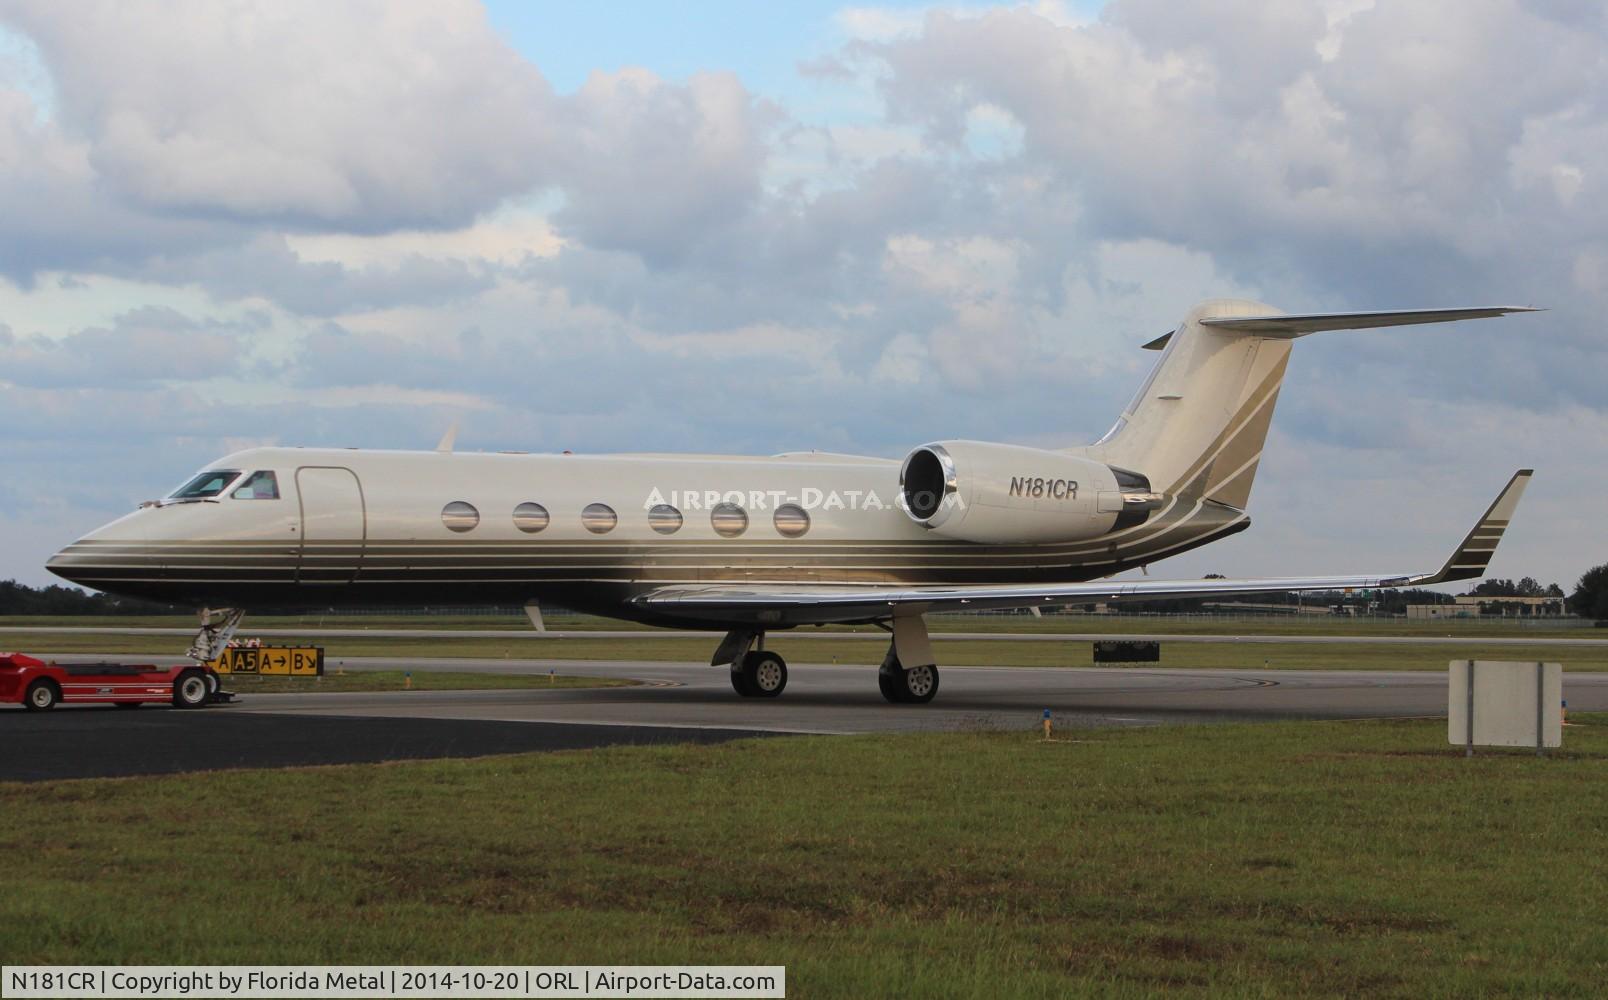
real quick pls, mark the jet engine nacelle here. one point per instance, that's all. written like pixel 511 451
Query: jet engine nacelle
pixel 975 491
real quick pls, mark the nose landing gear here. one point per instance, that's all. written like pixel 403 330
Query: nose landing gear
pixel 200 686
pixel 217 628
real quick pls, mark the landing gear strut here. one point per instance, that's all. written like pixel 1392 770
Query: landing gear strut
pixel 217 628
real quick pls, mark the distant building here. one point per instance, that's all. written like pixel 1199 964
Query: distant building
pixel 1483 604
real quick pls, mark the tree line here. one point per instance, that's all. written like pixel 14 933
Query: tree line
pixel 21 599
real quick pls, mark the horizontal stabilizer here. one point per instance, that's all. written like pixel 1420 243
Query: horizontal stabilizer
pixel 1301 325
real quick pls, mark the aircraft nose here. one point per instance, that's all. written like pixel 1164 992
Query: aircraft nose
pixel 73 563
pixel 61 565
pixel 103 555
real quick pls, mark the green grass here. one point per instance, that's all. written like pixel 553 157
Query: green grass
pixel 1272 860
pixel 394 680
pixel 799 647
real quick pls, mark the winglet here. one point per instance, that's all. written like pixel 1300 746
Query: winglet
pixel 1474 555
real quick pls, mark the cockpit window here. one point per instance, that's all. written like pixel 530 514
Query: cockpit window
pixel 263 485
pixel 207 484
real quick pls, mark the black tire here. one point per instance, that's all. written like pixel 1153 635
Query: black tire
pixel 739 682
pixel 42 695
pixel 190 689
pixel 213 684
pixel 913 686
pixel 888 680
pixel 766 674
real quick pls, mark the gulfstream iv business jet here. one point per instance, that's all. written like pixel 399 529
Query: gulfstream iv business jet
pixel 749 545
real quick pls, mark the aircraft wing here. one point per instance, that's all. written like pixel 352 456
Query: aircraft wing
pixel 806 604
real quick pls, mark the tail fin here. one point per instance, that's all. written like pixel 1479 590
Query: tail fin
pixel 1197 425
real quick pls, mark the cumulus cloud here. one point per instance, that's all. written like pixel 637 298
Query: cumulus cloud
pixel 57 215
pixel 654 167
pixel 148 345
pixel 366 115
pixel 268 268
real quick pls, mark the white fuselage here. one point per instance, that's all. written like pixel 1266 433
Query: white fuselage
pixel 374 528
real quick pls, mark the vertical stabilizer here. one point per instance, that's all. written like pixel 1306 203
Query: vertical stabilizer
pixel 1197 425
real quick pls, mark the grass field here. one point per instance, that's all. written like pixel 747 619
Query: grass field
pixel 1270 860
pixel 394 680
pixel 800 648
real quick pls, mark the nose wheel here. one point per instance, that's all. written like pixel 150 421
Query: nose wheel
pixel 759 674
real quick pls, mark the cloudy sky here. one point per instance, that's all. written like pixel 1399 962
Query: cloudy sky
pixel 759 227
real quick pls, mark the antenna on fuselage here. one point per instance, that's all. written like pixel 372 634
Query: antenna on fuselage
pixel 448 439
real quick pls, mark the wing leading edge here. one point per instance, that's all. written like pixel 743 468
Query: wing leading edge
pixel 805 604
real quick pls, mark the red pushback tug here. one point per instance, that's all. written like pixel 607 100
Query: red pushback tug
pixel 41 686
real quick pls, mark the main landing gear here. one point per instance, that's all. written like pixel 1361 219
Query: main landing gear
pixel 909 675
pixel 763 674
pixel 904 685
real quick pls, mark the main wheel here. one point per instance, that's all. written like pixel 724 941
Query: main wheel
pixel 190 690
pixel 920 684
pixel 908 686
pixel 766 673
pixel 739 682
pixel 42 695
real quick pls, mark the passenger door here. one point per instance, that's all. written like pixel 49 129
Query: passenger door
pixel 333 525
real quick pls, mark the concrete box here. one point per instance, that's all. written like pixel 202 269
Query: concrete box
pixel 1509 700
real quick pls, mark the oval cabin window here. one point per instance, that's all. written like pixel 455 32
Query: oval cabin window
pixel 664 519
pixel 599 518
pixel 460 516
pixel 530 517
pixel 792 520
pixel 729 520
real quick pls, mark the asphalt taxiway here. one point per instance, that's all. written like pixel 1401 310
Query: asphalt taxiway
pixel 689 701
pixel 95 741
pixel 823 698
